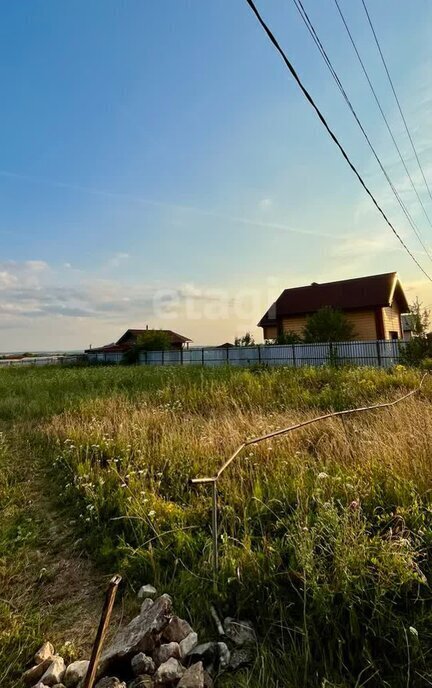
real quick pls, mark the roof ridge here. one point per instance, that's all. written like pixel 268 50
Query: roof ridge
pixel 350 279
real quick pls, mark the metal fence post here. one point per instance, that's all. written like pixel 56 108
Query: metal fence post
pixel 163 357
pixel 181 356
pixel 294 355
pixel 378 352
pixel 215 528
pixel 259 354
pixel 202 355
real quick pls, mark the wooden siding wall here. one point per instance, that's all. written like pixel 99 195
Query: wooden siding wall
pixel 391 319
pixel 364 324
pixel 294 324
pixel 270 332
pixel 363 321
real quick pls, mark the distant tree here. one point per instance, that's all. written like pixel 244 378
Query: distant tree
pixel 151 340
pixel 328 325
pixel 419 318
pixel 419 348
pixel 246 340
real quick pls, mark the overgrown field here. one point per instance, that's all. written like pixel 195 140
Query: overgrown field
pixel 325 534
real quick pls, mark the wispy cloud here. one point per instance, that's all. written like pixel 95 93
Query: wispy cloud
pixel 225 217
pixel 117 259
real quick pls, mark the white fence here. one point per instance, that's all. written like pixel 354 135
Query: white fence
pixel 38 361
pixel 378 353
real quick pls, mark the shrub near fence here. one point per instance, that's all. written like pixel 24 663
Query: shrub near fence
pixel 377 353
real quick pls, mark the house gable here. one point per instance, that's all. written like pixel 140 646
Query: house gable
pixel 373 304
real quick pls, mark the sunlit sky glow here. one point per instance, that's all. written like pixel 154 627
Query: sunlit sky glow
pixel 159 166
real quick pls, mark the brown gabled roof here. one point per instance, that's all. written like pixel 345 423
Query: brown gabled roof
pixel 108 349
pixel 123 345
pixel 360 292
pixel 174 337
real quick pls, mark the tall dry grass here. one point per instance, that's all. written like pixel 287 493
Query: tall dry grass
pixel 325 533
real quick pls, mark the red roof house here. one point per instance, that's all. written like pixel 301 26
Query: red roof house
pixel 114 352
pixel 373 304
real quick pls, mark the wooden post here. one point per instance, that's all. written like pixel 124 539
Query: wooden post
pixel 101 632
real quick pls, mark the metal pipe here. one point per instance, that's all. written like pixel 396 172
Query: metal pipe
pixel 297 426
pixel 214 479
pixel 215 528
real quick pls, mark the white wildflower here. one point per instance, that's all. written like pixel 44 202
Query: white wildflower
pixel 322 475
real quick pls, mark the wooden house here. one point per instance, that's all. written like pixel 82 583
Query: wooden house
pixel 113 353
pixel 373 304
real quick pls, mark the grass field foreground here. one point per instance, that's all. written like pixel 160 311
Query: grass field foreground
pixel 325 535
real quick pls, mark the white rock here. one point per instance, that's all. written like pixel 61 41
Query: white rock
pixel 55 672
pixel 193 677
pixel 75 673
pixel 138 636
pixel 142 664
pixel 32 676
pixel 240 632
pixel 142 681
pixel 164 652
pixel 146 605
pixel 45 652
pixel 147 591
pixel 177 630
pixel 188 644
pixel 224 656
pixel 169 672
pixel 110 682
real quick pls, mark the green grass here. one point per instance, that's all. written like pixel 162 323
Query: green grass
pixel 325 534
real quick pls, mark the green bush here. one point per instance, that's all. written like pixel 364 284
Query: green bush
pixel 415 351
pixel 328 325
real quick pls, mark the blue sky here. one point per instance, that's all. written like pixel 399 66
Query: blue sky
pixel 159 165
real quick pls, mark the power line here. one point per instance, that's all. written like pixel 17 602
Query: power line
pixel 329 131
pixel 381 109
pixel 396 98
pixel 309 25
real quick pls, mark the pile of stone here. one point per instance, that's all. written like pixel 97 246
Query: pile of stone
pixel 156 649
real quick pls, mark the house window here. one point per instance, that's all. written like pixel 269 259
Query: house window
pixel 393 334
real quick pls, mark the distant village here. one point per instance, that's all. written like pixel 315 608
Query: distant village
pixel 359 310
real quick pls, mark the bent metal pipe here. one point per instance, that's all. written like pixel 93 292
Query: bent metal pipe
pixel 213 480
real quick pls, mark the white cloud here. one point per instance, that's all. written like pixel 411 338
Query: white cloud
pixel 36 265
pixel 360 247
pixel 7 279
pixel 118 259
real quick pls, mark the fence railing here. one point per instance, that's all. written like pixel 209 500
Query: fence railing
pixel 378 353
pixel 38 361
